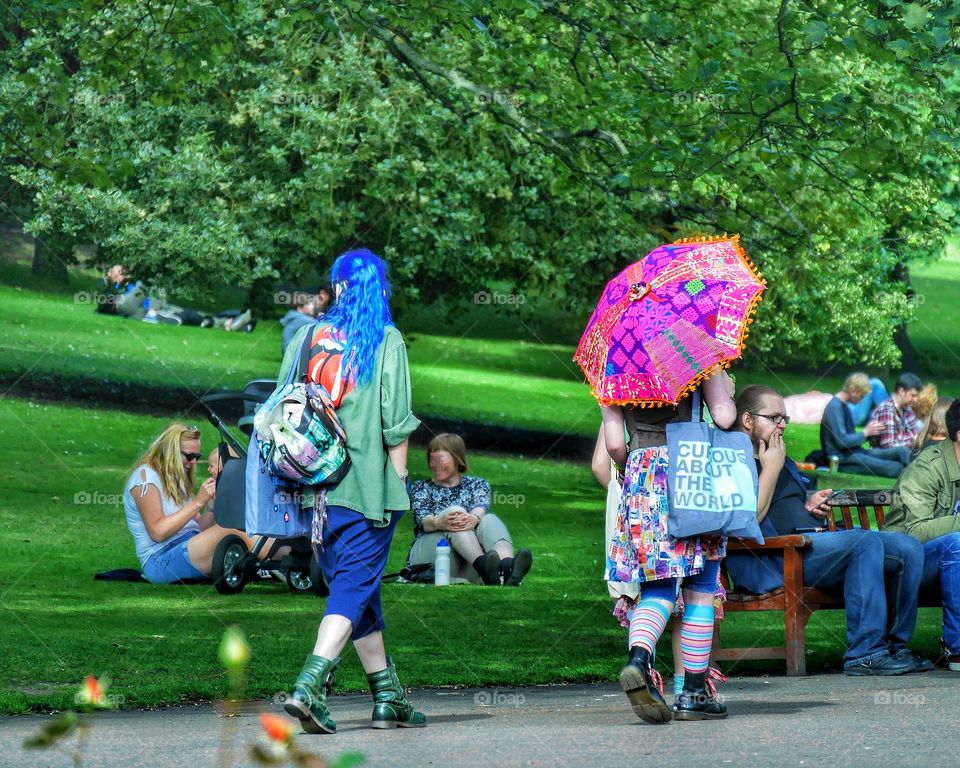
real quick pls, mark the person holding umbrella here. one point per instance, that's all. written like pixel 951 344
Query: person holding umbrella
pixel 664 329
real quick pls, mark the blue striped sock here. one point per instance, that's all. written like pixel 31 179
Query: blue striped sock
pixel 696 636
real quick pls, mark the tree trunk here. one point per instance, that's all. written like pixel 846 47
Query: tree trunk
pixel 50 258
pixel 909 357
pixel 262 300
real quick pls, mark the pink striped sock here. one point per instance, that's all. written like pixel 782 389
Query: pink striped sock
pixel 696 636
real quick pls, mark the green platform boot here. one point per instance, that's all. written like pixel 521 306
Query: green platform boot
pixel 308 700
pixel 390 707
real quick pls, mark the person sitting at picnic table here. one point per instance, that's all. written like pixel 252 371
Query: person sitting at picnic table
pixel 896 416
pixel 455 506
pixel 926 505
pixel 934 431
pixel 840 438
pixel 173 528
pixel 875 394
pixel 879 572
pixel 926 401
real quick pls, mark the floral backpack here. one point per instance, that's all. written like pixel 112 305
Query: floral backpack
pixel 298 431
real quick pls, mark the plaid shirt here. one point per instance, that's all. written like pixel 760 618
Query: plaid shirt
pixel 900 428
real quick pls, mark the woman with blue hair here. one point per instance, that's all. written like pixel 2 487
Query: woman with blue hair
pixel 358 355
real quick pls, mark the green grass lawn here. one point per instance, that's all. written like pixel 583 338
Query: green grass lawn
pixel 475 364
pixel 158 643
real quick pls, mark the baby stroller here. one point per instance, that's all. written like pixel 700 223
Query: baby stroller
pixel 233 564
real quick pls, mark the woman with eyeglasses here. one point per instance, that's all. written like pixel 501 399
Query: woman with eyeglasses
pixel 173 528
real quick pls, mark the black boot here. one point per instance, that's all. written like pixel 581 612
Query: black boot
pixel 488 566
pixel 638 681
pixel 695 702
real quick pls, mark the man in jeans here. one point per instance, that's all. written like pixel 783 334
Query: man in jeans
pixel 840 438
pixel 879 572
pixel 926 504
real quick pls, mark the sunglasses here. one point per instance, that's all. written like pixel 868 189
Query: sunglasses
pixel 191 456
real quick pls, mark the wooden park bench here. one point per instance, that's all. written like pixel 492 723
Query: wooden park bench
pixel 795 601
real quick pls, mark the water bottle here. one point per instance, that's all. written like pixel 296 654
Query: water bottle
pixel 441 565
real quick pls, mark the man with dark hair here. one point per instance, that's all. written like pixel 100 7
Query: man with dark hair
pixel 879 572
pixel 895 415
pixel 324 298
pixel 840 438
pixel 926 504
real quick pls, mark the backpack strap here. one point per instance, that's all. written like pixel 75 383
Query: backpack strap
pixel 304 356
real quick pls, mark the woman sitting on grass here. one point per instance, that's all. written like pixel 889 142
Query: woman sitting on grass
pixel 453 506
pixel 173 529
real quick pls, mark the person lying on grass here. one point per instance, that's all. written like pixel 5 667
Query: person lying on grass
pixel 454 506
pixel 173 528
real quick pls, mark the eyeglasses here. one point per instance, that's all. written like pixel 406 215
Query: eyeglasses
pixel 776 418
pixel 191 456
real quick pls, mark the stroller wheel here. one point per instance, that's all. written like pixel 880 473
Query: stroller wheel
pixel 299 581
pixel 228 561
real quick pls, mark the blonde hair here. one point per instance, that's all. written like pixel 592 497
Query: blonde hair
pixel 857 382
pixel 452 444
pixel 164 457
pixel 936 425
pixel 926 401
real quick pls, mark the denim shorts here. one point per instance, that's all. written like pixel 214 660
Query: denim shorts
pixel 172 563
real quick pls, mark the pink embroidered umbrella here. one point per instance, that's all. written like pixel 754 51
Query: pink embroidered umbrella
pixel 669 321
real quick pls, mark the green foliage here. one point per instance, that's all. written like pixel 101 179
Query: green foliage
pixel 543 144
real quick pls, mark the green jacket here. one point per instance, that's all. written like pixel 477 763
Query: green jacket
pixel 374 416
pixel 926 499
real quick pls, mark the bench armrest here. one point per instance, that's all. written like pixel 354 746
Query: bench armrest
pixel 771 543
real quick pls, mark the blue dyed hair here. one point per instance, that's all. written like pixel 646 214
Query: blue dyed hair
pixel 362 311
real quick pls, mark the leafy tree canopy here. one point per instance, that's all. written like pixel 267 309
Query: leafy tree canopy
pixel 540 143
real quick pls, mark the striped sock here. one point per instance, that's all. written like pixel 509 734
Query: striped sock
pixel 647 623
pixel 696 636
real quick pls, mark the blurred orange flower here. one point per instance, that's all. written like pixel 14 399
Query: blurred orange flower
pixel 276 727
pixel 92 693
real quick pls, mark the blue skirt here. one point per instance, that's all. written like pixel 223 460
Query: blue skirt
pixel 353 559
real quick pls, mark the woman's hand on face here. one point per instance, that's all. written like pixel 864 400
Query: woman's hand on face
pixel 208 490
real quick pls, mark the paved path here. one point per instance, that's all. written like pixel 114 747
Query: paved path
pixel 830 720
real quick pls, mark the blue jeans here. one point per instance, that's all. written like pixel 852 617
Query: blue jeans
pixel 172 563
pixel 878 619
pixel 862 410
pixel 880 462
pixel 942 566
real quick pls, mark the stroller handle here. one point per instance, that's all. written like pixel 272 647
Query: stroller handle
pixel 217 422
